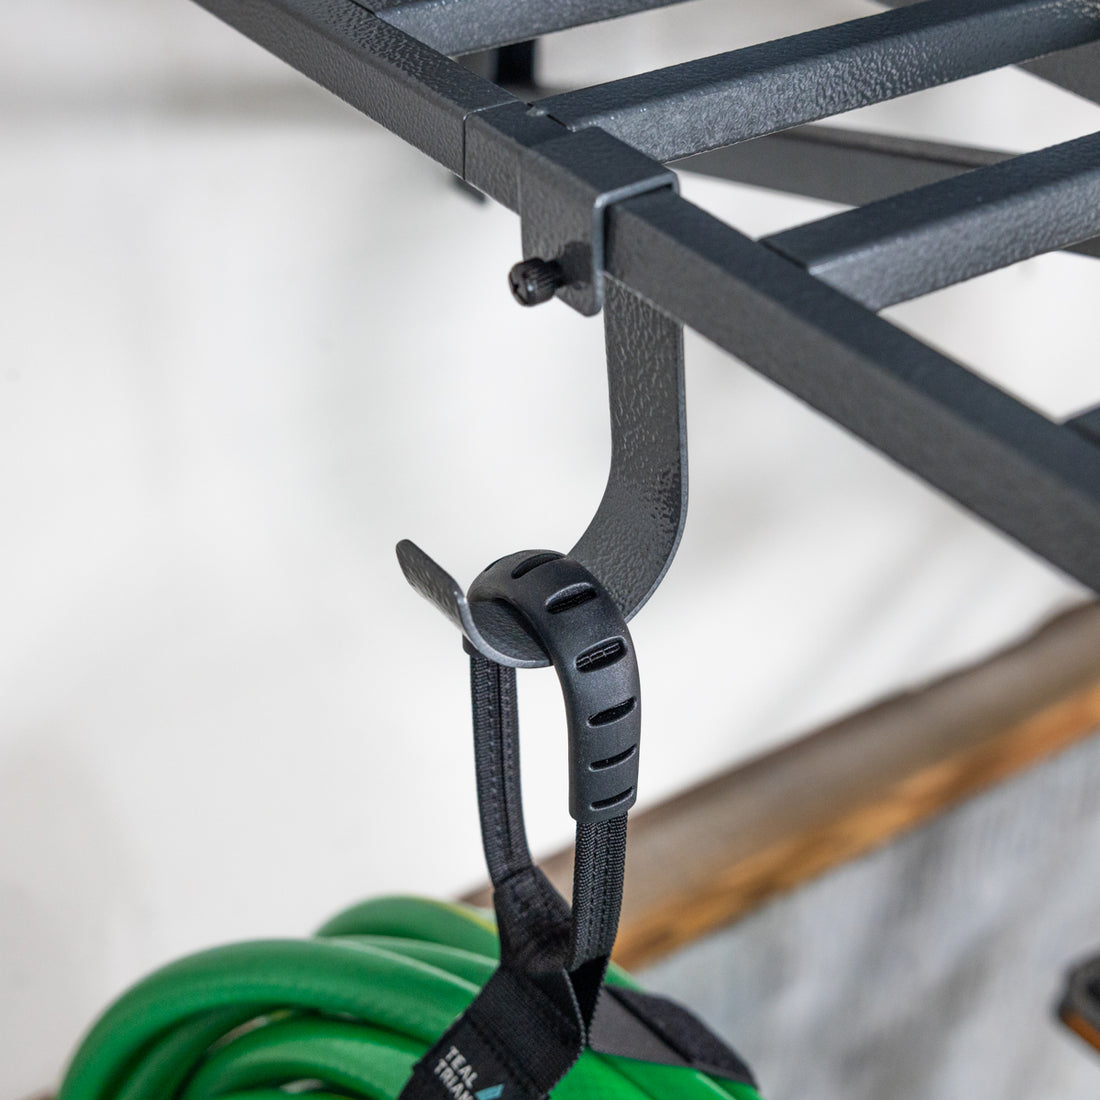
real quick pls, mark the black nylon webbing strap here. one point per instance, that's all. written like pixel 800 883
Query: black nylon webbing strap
pixel 600 847
pixel 529 1023
pixel 543 1005
pixel 599 860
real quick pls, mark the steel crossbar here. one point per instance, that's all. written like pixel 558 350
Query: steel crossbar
pixel 574 161
pixel 939 235
pixel 1033 479
pixel 674 112
pixel 467 26
pixel 851 167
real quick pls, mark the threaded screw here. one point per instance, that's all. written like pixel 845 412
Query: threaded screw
pixel 534 281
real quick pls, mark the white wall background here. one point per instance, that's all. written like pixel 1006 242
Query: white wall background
pixel 248 340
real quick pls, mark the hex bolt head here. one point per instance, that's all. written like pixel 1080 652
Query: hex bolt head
pixel 534 281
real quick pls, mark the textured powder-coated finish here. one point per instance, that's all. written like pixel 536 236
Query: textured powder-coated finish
pixel 566 187
pixel 494 634
pixel 1037 481
pixel 633 537
pixel 719 100
pixel 1076 69
pixel 920 241
pixel 839 165
pixel 410 89
pixel 847 166
pixel 465 26
pixel 1088 425
pixel 496 142
pixel 568 180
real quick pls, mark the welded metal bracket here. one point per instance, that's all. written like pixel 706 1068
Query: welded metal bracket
pixel 1035 479
pixel 633 537
pixel 566 186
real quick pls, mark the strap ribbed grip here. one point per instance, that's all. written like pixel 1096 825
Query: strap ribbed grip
pixel 569 613
pixel 543 1005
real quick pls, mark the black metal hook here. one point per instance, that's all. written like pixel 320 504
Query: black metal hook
pixel 633 537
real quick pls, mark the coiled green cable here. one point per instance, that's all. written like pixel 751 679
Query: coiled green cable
pixel 347 1012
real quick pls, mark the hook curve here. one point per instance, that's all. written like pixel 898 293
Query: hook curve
pixel 633 537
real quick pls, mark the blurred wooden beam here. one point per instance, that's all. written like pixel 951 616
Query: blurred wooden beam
pixel 713 853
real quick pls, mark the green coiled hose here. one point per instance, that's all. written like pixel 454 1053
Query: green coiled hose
pixel 344 1016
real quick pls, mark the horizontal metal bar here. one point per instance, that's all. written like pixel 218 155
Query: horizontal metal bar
pixel 1087 424
pixel 922 240
pixel 466 26
pixel 853 167
pixel 674 112
pixel 497 141
pixel 410 89
pixel 1077 69
pixel 1037 481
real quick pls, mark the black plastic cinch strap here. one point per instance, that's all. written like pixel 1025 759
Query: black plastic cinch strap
pixel 546 1002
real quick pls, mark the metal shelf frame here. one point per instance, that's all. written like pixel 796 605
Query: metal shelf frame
pixel 586 172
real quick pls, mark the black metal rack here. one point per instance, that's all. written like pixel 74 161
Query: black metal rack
pixel 586 171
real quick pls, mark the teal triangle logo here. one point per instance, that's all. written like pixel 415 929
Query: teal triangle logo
pixel 491 1093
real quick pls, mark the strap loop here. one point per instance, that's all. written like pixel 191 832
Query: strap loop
pixel 543 1005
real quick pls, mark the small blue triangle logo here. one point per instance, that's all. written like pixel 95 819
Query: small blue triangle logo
pixel 491 1093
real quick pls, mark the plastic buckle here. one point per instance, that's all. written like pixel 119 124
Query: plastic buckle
pixel 562 606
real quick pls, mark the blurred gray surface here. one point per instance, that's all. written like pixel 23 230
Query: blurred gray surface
pixel 930 968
